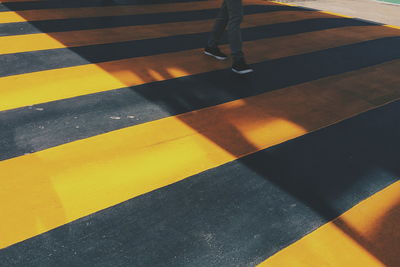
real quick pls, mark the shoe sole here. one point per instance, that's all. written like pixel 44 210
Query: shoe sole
pixel 217 57
pixel 242 71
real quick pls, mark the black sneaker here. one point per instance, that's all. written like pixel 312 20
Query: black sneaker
pixel 240 67
pixel 215 52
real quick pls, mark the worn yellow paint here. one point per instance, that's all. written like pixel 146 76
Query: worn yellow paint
pixel 367 235
pixel 42 41
pixel 46 189
pixel 39 87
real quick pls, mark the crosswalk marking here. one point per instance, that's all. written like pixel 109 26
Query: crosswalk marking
pixel 78 173
pixel 353 236
pixel 39 87
pixel 42 41
pixel 46 189
pixel 87 12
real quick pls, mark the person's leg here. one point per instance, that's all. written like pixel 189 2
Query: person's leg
pixel 235 14
pixel 216 34
pixel 230 16
pixel 219 26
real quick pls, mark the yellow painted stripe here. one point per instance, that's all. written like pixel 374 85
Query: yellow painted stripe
pixel 39 87
pixel 334 14
pixel 367 235
pixel 392 26
pixel 46 189
pixel 282 3
pixel 42 41
pixel 87 12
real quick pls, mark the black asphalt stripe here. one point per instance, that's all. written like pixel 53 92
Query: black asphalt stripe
pixel 26 130
pixel 34 5
pixel 25 62
pixel 237 214
pixel 62 25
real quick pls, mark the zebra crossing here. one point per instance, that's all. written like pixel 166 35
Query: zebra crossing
pixel 121 144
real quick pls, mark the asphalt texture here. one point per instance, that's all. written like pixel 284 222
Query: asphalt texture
pixel 146 152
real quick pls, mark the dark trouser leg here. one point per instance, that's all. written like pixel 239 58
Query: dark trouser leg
pixel 219 26
pixel 235 13
pixel 231 15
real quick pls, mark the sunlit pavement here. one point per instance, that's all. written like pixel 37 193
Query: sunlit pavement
pixel 381 11
pixel 122 144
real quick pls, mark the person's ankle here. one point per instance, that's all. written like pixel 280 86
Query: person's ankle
pixel 212 46
pixel 237 60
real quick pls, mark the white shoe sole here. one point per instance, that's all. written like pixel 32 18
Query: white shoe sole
pixel 217 57
pixel 242 71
